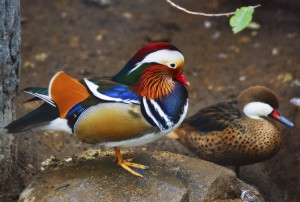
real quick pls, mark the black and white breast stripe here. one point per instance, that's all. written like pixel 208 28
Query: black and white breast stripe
pixel 155 115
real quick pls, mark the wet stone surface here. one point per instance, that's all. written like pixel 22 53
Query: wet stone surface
pixel 170 177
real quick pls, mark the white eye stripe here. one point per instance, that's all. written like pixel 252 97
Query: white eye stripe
pixel 166 57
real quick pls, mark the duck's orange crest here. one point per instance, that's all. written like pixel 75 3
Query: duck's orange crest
pixel 66 92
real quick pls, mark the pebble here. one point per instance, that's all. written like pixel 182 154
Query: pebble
pixel 41 57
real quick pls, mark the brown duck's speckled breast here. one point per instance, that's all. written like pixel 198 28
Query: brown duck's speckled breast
pixel 244 142
pixel 111 122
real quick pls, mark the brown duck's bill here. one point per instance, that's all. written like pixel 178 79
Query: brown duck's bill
pixel 277 116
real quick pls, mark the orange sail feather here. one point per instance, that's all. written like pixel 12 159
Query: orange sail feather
pixel 66 92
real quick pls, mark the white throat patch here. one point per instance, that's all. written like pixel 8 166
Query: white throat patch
pixel 256 110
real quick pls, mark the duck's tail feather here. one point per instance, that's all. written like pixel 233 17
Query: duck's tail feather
pixel 38 92
pixel 41 93
pixel 41 116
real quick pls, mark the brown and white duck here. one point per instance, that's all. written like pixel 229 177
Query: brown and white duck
pixel 238 132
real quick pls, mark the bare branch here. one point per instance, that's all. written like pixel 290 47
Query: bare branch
pixel 202 14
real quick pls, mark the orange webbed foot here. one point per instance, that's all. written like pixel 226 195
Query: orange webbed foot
pixel 126 164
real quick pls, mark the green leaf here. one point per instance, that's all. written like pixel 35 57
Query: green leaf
pixel 241 18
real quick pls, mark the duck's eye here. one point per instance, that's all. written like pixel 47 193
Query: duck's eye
pixel 172 65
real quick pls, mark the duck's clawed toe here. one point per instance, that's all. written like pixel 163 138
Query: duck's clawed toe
pixel 126 164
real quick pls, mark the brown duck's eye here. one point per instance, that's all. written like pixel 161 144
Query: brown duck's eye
pixel 172 65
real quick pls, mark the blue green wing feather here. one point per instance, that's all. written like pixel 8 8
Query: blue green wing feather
pixel 110 91
pixel 105 91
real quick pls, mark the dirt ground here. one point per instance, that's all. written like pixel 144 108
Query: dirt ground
pixel 88 38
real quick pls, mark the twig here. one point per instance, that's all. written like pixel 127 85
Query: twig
pixel 203 14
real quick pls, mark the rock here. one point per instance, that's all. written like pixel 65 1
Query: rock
pixel 249 193
pixel 170 177
pixel 257 175
pixel 100 3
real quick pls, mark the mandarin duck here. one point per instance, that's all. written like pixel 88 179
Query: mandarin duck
pixel 235 133
pixel 143 102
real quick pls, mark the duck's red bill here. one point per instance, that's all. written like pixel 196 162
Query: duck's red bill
pixel 276 115
pixel 182 79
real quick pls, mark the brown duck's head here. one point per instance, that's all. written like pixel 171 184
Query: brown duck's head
pixel 258 102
